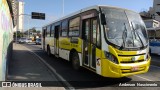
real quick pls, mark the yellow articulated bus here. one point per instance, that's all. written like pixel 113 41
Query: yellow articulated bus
pixel 110 41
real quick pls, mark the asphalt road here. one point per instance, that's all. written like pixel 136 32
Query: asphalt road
pixel 85 79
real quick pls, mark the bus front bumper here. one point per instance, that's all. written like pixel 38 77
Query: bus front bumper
pixel 110 69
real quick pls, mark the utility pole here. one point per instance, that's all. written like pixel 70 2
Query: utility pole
pixel 28 29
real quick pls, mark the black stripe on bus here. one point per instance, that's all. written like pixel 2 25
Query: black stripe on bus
pixel 132 55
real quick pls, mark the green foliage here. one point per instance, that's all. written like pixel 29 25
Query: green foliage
pixel 19 34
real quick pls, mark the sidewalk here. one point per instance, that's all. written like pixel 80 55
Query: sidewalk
pixel 25 66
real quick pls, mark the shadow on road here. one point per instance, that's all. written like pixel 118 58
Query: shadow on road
pixel 82 78
pixel 79 79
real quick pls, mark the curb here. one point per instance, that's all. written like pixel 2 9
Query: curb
pixel 63 81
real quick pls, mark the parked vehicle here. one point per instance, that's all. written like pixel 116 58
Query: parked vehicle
pixel 38 41
pixel 154 39
pixel 22 40
pixel 29 40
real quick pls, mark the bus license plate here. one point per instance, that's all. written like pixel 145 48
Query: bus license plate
pixel 135 68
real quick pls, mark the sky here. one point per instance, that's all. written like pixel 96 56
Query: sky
pixel 53 8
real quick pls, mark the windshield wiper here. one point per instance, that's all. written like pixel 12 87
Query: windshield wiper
pixel 124 37
pixel 135 31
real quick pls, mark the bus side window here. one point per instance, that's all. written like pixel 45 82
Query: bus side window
pixel 52 31
pixel 96 33
pixel 64 31
pixel 74 26
pixel 94 28
pixel 98 37
pixel 48 33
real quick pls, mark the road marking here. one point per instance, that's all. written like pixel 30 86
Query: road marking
pixel 52 69
pixel 143 78
pixel 146 78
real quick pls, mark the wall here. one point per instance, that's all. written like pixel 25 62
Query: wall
pixel 6 37
pixel 156 6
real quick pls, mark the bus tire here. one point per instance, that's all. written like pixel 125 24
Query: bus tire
pixel 48 51
pixel 75 61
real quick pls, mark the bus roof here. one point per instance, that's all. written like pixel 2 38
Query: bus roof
pixel 83 10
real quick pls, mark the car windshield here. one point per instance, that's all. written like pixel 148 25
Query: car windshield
pixel 38 39
pixel 23 38
pixel 125 28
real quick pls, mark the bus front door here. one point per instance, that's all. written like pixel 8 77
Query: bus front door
pixel 56 41
pixel 89 48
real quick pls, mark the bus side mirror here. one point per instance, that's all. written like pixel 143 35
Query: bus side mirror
pixel 103 19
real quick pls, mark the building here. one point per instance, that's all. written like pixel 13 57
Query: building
pixel 154 12
pixel 20 19
pixel 32 33
pixel 153 28
pixel 152 19
pixel 150 23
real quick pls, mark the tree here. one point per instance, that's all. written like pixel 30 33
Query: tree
pixel 19 34
pixel 33 30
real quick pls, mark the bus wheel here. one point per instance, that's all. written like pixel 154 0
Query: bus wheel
pixel 48 51
pixel 75 61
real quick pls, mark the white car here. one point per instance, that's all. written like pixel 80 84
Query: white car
pixel 38 41
pixel 22 40
pixel 28 40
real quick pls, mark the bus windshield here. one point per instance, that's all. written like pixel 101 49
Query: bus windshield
pixel 125 28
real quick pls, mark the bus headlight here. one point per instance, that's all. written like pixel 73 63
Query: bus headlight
pixel 111 57
pixel 148 56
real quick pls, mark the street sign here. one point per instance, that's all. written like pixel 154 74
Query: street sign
pixel 36 15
